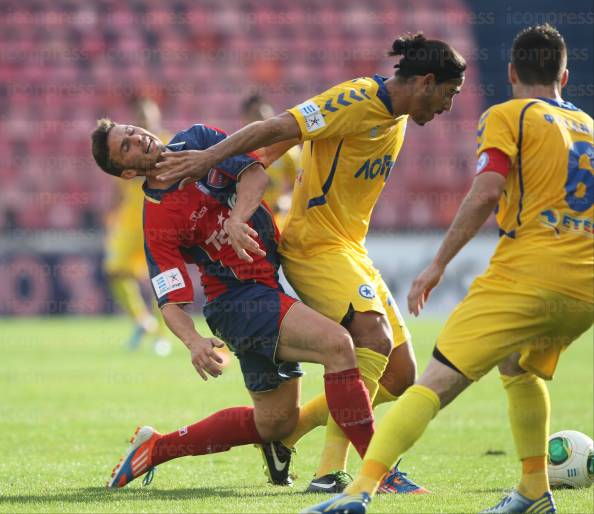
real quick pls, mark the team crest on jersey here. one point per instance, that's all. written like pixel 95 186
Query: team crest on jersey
pixel 366 291
pixel 217 179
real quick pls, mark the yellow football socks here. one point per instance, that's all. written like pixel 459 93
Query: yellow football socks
pixel 400 428
pixel 313 414
pixel 529 414
pixel 383 395
pixel 336 447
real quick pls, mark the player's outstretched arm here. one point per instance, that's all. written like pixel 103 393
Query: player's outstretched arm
pixel 196 163
pixel 204 358
pixel 476 208
pixel 250 190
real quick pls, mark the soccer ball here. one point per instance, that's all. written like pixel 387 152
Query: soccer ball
pixel 570 459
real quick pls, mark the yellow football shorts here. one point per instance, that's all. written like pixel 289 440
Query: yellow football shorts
pixel 124 248
pixel 334 282
pixel 500 316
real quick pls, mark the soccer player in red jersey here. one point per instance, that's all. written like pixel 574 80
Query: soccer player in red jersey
pixel 220 224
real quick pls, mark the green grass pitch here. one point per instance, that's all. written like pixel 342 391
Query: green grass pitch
pixel 71 395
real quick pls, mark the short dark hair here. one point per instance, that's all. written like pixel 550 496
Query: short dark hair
pixel 422 56
pixel 250 102
pixel 100 148
pixel 539 55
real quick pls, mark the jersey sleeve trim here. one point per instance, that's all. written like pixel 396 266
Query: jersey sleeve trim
pixel 173 303
pixel 245 168
pixel 297 119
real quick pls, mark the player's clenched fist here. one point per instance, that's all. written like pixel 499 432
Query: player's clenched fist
pixel 204 357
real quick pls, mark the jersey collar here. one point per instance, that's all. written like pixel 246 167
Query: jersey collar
pixel 156 195
pixel 559 103
pixel 382 92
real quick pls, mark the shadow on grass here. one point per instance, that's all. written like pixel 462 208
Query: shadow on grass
pixel 101 494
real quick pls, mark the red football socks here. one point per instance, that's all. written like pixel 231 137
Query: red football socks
pixel 217 433
pixel 349 405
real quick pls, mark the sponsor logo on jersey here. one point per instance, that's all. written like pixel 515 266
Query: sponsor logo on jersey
pixel 482 161
pixel 312 116
pixel 366 291
pixel 560 221
pixel 372 169
pixel 217 179
pixel 168 281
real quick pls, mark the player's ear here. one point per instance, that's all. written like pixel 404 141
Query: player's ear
pixel 512 76
pixel 428 82
pixel 564 77
pixel 129 174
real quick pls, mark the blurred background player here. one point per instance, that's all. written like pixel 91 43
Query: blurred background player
pixel 283 170
pixel 125 264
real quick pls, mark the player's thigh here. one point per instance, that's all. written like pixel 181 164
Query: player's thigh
pixel 562 320
pixel 276 412
pixel 306 335
pixel 371 329
pixel 382 327
pixel 444 381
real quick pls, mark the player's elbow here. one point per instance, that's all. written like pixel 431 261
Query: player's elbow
pixel 489 197
pixel 488 188
pixel 282 127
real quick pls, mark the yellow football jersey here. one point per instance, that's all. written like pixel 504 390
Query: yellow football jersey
pixel 545 214
pixel 351 142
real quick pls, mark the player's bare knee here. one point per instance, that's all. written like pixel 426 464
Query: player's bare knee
pixel 511 366
pixel 378 341
pixel 371 330
pixel 274 429
pixel 339 350
pixel 444 381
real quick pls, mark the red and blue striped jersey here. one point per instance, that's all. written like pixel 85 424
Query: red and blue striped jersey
pixel 187 226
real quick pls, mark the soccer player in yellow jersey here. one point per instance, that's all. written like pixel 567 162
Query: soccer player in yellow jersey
pixel 124 262
pixel 535 163
pixel 352 133
pixel 283 170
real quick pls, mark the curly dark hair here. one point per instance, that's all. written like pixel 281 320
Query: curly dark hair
pixel 421 56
